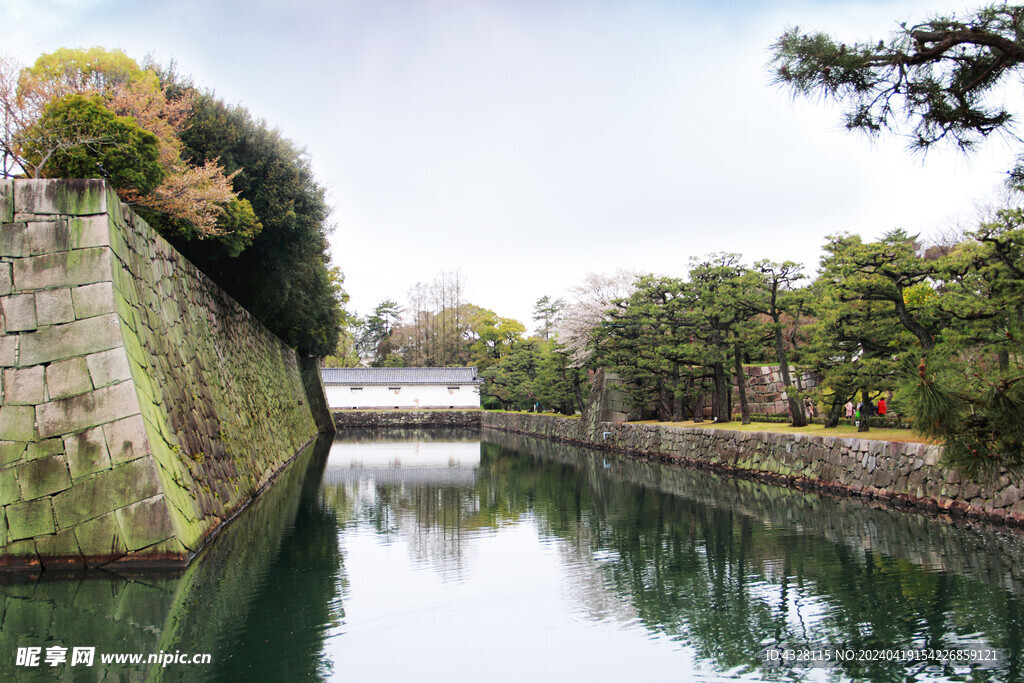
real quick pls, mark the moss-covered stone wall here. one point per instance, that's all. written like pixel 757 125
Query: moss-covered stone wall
pixel 893 473
pixel 141 407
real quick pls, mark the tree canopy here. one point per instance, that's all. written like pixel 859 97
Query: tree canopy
pixel 77 137
pixel 957 309
pixel 191 200
pixel 231 193
pixel 283 277
pixel 933 81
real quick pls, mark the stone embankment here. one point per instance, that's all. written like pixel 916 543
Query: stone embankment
pixel 141 406
pixel 900 474
pixel 405 419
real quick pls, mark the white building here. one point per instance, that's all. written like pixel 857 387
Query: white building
pixel 401 388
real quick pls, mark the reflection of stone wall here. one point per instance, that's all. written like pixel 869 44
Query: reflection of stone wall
pixel 204 608
pixel 898 473
pixel 988 554
pixel 141 405
pixel 405 419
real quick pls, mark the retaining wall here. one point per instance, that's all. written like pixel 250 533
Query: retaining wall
pixel 405 419
pixel 902 474
pixel 142 407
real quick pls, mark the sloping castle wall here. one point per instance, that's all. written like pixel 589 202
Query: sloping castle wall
pixel 141 407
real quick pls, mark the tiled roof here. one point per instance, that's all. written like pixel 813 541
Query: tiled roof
pixel 400 376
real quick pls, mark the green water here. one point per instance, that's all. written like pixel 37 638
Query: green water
pixel 439 557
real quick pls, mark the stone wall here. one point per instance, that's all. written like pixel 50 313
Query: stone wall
pixel 766 392
pixel 141 406
pixel 901 474
pixel 405 419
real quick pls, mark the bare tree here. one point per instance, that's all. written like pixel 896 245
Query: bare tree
pixel 11 118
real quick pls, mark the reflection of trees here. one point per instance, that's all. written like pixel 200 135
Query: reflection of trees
pixel 725 579
pixel 294 605
pixel 723 566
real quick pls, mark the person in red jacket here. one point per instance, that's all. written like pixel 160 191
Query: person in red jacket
pixel 882 407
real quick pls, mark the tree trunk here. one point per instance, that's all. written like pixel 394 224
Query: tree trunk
pixel 720 397
pixel 864 400
pixel 741 385
pixel 796 410
pixel 698 407
pixel 835 411
pixel 577 391
pixel 677 399
pixel 664 405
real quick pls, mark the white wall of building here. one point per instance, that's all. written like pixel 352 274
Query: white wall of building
pixel 406 396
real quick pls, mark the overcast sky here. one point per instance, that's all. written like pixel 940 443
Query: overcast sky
pixel 527 142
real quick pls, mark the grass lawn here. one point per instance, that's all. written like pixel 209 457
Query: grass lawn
pixel 904 435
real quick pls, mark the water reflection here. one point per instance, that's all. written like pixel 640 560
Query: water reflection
pixel 725 566
pixel 230 602
pixel 431 555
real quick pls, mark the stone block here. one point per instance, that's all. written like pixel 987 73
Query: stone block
pixel 77 338
pixel 31 518
pixel 47 237
pixel 63 269
pixel 17 423
pixel 86 410
pixel 8 350
pixel 19 312
pixel 20 555
pixel 60 551
pixel 100 540
pixel 77 197
pixel 10 451
pixel 24 386
pixel 91 231
pixel 92 300
pixel 67 378
pixel 145 523
pixel 6 279
pixel 108 367
pixel 54 307
pixel 14 240
pixel 170 551
pixel 6 200
pixel 43 477
pixel 143 604
pixel 10 491
pixel 87 453
pixel 41 449
pixel 126 439
pixel 105 492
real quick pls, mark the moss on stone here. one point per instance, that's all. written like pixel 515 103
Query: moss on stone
pixel 30 518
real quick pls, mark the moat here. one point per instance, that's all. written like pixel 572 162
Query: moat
pixel 429 555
